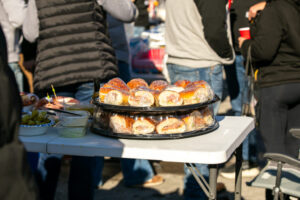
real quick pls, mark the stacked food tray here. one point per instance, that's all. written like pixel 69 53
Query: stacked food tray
pixel 137 110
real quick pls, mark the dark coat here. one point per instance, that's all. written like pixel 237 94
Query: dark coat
pixel 16 181
pixel 275 43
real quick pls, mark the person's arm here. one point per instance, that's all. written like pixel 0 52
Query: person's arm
pixel 213 13
pixel 31 22
pixel 266 40
pixel 124 10
pixel 15 10
pixel 253 10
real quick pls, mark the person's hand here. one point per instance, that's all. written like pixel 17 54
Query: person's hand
pixel 241 41
pixel 254 9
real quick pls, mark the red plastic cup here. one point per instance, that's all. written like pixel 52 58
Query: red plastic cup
pixel 245 32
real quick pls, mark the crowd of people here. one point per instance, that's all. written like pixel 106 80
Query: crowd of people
pixel 79 42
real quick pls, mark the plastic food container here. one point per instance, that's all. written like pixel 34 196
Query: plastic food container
pixel 72 126
pixel 73 120
pixel 71 132
pixel 165 123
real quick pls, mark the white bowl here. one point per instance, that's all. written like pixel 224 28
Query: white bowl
pixel 33 130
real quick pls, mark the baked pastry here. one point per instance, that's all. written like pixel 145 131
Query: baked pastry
pixel 158 85
pixel 137 83
pixel 194 121
pixel 207 116
pixel 121 124
pixel 116 97
pixel 182 83
pixel 169 98
pixel 170 126
pixel 118 84
pixel 193 95
pixel 203 84
pixel 143 126
pixel 141 97
pixel 174 88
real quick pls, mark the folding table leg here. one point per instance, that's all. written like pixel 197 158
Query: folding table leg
pixel 238 173
pixel 211 189
pixel 213 175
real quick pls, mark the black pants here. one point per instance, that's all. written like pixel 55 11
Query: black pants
pixel 279 110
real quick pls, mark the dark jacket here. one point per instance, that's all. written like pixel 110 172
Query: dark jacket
pixel 16 181
pixel 73 45
pixel 238 19
pixel 275 43
pixel 143 18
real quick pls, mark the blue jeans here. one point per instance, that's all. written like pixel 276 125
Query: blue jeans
pixel 85 172
pixel 237 89
pixel 214 77
pixel 18 74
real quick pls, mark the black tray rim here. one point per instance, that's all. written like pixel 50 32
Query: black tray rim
pixel 109 133
pixel 165 109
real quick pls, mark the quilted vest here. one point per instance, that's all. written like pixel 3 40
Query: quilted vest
pixel 73 45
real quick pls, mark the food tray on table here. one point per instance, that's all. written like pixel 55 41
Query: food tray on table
pixel 154 123
pixel 95 128
pixel 152 110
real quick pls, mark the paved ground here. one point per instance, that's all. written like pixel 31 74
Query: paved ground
pixel 171 189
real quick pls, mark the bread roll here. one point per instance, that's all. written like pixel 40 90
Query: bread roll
pixel 121 124
pixel 174 88
pixel 208 116
pixel 169 98
pixel 118 84
pixel 194 121
pixel 193 95
pixel 116 97
pixel 170 126
pixel 143 126
pixel 203 84
pixel 141 97
pixel 158 85
pixel 182 83
pixel 137 83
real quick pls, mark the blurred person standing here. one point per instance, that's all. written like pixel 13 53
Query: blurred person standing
pixel 198 44
pixel 12 13
pixel 73 50
pixel 142 22
pixel 16 180
pixel 275 53
pixel 238 88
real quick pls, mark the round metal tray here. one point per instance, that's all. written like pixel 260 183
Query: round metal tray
pixel 152 110
pixel 108 132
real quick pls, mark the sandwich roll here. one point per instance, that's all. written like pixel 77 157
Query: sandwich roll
pixel 182 83
pixel 142 97
pixel 207 116
pixel 170 126
pixel 116 97
pixel 194 121
pixel 137 83
pixel 174 88
pixel 203 84
pixel 158 85
pixel 193 95
pixel 118 84
pixel 143 126
pixel 121 124
pixel 169 98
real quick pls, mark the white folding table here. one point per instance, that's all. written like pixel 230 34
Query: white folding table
pixel 212 148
